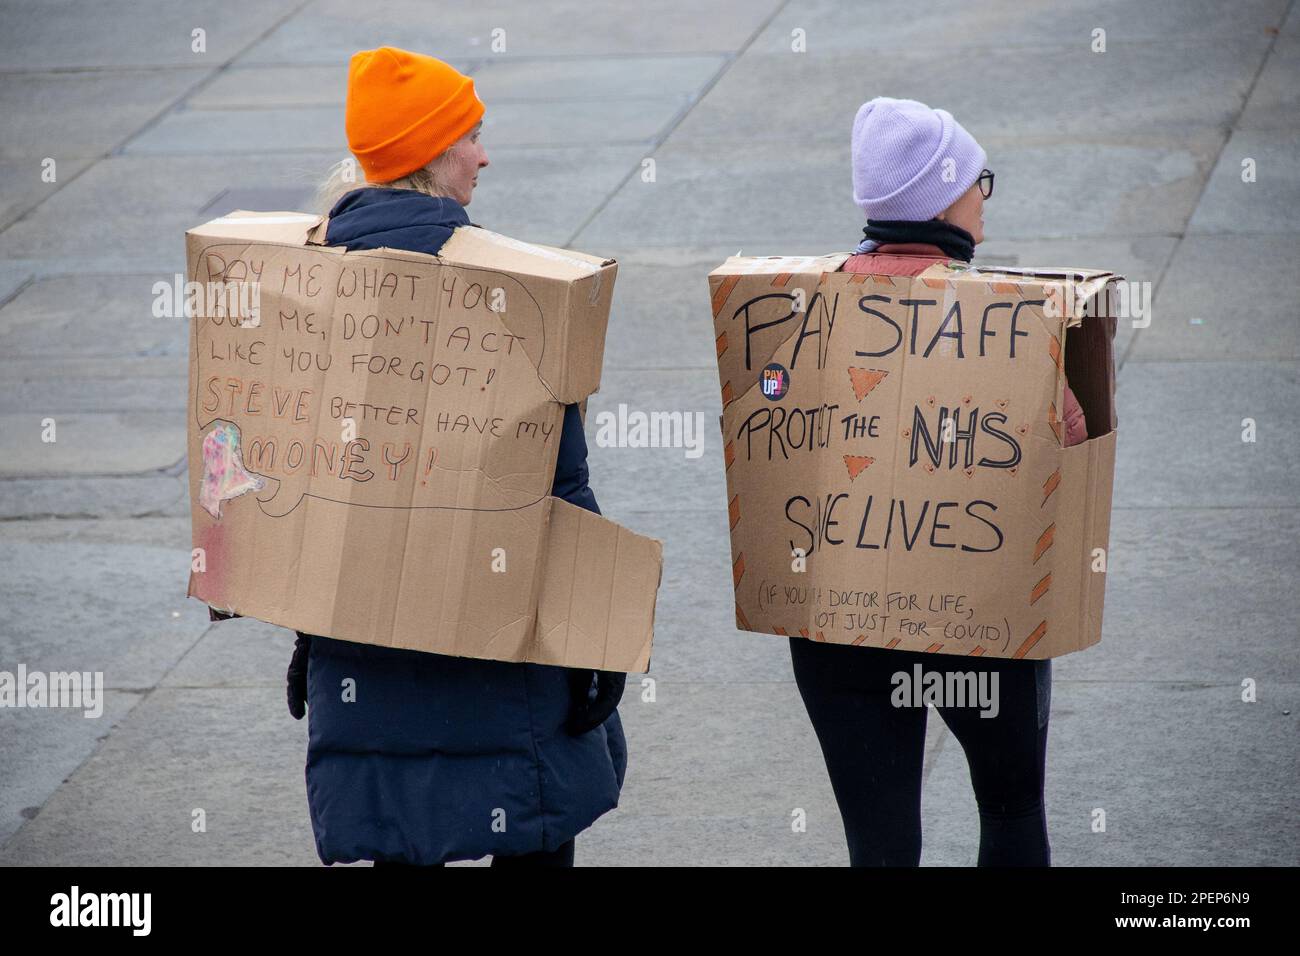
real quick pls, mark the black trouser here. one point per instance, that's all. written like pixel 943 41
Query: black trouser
pixel 874 750
pixel 560 856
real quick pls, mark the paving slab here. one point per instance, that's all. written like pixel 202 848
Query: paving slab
pixel 121 608
pixel 240 131
pixel 272 87
pixel 128 33
pixel 1166 762
pixel 696 638
pixel 243 652
pixel 234 753
pixel 661 316
pixel 145 530
pixel 131 496
pixel 1275 101
pixel 332 30
pixel 53 384
pixel 950 25
pixel 1198 594
pixel 544 194
pixel 94 316
pixel 658 479
pixel 1180 435
pixel 21 188
pixel 40 748
pixel 1136 93
pixel 1225 297
pixel 1232 205
pixel 85 113
pixel 612 78
pixel 150 200
pixel 91 443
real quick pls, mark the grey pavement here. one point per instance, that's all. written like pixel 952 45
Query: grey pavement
pixel 1129 159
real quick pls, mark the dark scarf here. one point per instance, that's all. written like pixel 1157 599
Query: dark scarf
pixel 955 241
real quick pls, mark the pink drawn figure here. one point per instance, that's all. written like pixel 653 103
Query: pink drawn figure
pixel 224 476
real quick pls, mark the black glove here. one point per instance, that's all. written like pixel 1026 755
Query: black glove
pixel 585 712
pixel 296 677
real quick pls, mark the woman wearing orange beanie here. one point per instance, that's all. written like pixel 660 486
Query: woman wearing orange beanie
pixel 443 758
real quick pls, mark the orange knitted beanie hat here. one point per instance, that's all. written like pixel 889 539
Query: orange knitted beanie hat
pixel 403 109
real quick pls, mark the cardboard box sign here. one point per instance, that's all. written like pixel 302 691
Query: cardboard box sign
pixel 894 450
pixel 373 438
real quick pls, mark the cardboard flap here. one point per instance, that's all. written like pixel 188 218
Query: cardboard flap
pixel 574 290
pixel 476 246
pixel 751 265
pixel 288 227
pixel 597 576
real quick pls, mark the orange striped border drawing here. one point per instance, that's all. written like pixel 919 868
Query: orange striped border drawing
pixel 1051 484
pixel 729 452
pixel 727 396
pixel 723 292
pixel 738 569
pixel 859 640
pixel 1028 645
pixel 976 652
pixel 1054 350
pixel 1040 588
pixel 741 621
pixel 934 648
pixel 1055 424
pixel 721 344
pixel 733 511
pixel 782 279
pixel 1044 542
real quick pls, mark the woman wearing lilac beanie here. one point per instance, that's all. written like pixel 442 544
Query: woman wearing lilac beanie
pixel 921 180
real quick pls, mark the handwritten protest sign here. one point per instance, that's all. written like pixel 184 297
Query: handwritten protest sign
pixel 896 468
pixel 373 439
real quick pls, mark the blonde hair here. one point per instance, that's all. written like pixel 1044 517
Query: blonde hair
pixel 342 179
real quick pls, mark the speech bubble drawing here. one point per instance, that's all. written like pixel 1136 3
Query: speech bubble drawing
pixel 443 389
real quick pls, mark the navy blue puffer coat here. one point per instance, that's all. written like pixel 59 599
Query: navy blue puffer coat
pixel 446 758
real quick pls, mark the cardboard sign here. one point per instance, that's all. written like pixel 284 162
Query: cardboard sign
pixel 373 438
pixel 895 461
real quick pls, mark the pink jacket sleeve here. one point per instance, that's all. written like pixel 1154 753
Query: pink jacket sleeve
pixel 1076 427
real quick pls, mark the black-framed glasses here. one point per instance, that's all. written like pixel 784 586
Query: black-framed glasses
pixel 986 183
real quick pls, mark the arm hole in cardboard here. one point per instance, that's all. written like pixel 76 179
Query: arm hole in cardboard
pixel 1090 363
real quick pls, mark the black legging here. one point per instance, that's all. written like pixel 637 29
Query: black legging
pixel 874 750
pixel 560 856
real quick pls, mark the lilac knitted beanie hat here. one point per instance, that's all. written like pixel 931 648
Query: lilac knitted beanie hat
pixel 910 161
